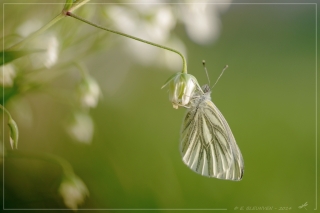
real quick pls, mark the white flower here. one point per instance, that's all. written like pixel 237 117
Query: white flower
pixel 181 89
pixel 150 22
pixel 7 75
pixel 28 27
pixel 51 55
pixel 47 42
pixel 48 57
pixel 81 127
pixel 202 21
pixel 89 92
pixel 73 191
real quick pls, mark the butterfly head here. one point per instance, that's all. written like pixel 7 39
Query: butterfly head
pixel 206 88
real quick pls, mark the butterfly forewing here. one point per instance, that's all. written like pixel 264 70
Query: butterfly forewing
pixel 207 144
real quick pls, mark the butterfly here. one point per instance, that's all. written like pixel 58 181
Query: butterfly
pixel 207 144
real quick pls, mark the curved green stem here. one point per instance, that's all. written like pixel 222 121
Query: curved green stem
pixel 6 111
pixel 184 66
pixel 83 71
pixel 38 32
pixel 65 165
pixel 48 25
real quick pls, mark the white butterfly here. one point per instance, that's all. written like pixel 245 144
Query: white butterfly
pixel 207 144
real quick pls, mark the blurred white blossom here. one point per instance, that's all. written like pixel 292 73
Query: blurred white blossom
pixel 181 88
pixel 49 56
pixel 89 92
pixel 81 127
pixel 7 75
pixel 202 21
pixel 155 21
pixel 73 191
pixel 28 27
pixel 149 22
pixel 47 42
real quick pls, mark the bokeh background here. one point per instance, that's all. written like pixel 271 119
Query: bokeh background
pixel 125 149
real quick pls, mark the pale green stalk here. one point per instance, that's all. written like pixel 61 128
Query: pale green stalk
pixel 6 111
pixel 81 69
pixel 184 66
pixel 47 26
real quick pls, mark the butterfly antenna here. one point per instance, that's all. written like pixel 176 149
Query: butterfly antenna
pixel 220 75
pixel 205 69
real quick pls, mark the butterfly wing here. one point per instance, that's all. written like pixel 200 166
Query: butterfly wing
pixel 207 144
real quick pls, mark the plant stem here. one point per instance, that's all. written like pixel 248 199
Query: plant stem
pixel 6 111
pixel 65 165
pixel 47 26
pixel 184 66
pixel 38 32
pixel 81 68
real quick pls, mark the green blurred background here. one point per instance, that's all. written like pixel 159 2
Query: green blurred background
pixel 267 95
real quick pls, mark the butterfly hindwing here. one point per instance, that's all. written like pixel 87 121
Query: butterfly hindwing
pixel 207 144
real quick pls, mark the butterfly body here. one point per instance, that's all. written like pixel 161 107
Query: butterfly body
pixel 207 144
